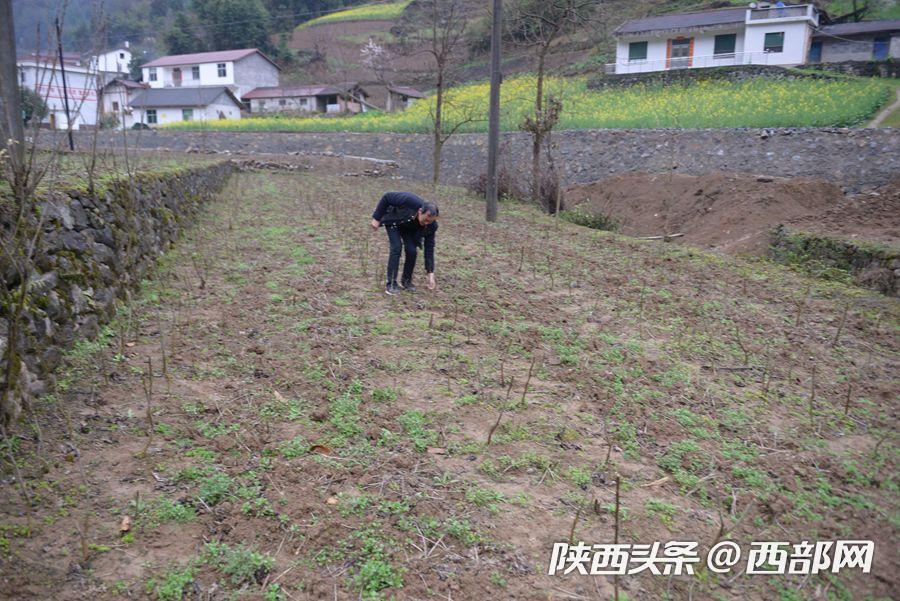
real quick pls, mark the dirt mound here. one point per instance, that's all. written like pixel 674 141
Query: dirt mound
pixel 872 216
pixel 732 212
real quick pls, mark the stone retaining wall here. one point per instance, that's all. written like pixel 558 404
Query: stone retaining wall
pixel 854 158
pixel 94 249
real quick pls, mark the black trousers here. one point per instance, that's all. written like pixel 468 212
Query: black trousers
pixel 401 239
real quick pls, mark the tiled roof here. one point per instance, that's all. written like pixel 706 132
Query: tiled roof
pixel 858 28
pixel 683 20
pixel 175 97
pixel 220 56
pixel 411 92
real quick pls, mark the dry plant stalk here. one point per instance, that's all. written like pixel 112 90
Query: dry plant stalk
pixel 837 335
pixel 528 380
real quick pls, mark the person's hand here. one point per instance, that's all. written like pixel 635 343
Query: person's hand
pixel 431 284
pixel 375 224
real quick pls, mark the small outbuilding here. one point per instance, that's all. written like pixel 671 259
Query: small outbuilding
pixel 402 97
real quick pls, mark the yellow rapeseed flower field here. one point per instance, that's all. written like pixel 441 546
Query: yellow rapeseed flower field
pixel 757 102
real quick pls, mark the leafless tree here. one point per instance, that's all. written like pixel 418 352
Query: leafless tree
pixel 32 165
pixel 540 24
pixel 439 26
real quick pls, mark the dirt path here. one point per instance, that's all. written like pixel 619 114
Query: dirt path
pixel 885 112
pixel 263 422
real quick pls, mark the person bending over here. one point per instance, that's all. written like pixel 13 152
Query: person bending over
pixel 411 223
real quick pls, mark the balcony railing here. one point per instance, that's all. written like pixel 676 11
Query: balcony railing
pixel 783 12
pixel 695 62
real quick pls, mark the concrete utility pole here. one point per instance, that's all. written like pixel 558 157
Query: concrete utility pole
pixel 62 69
pixel 494 115
pixel 11 127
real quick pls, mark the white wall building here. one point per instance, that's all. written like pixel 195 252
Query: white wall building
pixel 159 106
pixel 240 70
pixel 43 75
pixel 116 97
pixel 764 35
pixel 115 63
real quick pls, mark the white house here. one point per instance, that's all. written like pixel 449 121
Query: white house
pixel 158 106
pixel 114 63
pixel 42 73
pixel 116 97
pixel 326 98
pixel 762 34
pixel 240 70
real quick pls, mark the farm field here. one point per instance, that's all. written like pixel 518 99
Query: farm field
pixel 263 422
pixel 759 102
pixel 387 11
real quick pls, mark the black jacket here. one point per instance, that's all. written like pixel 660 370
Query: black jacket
pixel 399 210
pixel 397 207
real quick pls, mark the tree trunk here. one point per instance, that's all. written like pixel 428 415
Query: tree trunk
pixel 538 136
pixel 438 128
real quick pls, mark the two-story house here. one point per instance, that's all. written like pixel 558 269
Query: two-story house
pixel 239 70
pixel 760 34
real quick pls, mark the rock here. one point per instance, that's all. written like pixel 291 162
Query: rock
pixel 79 215
pixel 57 210
pixel 73 241
pixel 43 284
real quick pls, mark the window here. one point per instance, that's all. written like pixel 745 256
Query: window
pixel 115 106
pixel 151 73
pixel 281 102
pixel 22 77
pixel 187 114
pixel 774 42
pixel 725 44
pixel 304 102
pixel 262 104
pixel 122 55
pixel 195 71
pixel 151 115
pixel 637 51
pixel 221 69
pixel 333 99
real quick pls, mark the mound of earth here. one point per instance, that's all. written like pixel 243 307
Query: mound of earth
pixel 872 216
pixel 736 212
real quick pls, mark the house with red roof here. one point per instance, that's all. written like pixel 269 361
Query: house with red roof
pixel 239 70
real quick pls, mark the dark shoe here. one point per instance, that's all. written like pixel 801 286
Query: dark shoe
pixel 392 289
pixel 409 287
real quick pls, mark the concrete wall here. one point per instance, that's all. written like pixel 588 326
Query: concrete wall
pixel 860 49
pixel 211 112
pixel 273 105
pixel 81 87
pixel 94 249
pixel 209 76
pixel 797 37
pixel 704 52
pixel 254 72
pixel 854 158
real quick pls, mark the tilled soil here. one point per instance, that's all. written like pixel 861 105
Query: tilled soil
pixel 263 422
pixel 736 212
